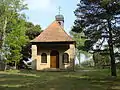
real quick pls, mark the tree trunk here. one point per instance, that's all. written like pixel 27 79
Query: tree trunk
pixel 112 56
pixel 94 59
pixel 15 65
pixel 5 67
pixel 3 41
pixel 4 34
pixel 79 58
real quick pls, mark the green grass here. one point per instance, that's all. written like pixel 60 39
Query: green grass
pixel 80 80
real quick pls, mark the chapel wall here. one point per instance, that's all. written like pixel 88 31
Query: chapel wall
pixel 44 66
pixel 34 56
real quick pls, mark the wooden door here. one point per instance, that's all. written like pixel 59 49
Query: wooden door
pixel 54 59
pixel 53 62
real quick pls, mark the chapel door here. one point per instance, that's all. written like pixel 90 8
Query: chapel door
pixel 54 59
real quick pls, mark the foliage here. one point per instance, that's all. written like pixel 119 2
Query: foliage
pixel 32 30
pixel 15 40
pixel 9 9
pixel 12 29
pixel 15 31
pixel 87 63
pixel 100 21
pixel 80 40
pixel 101 59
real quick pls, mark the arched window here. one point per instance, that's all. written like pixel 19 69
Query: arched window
pixel 43 58
pixel 65 58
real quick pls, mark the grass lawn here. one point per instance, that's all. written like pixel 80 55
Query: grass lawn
pixel 80 80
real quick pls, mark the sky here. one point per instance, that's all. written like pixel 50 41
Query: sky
pixel 43 12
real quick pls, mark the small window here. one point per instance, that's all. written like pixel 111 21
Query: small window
pixel 65 58
pixel 44 58
pixel 59 23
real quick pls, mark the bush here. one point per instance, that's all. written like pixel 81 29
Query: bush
pixel 87 63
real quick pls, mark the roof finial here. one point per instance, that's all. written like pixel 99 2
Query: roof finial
pixel 59 10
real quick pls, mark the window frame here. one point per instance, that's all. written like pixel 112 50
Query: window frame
pixel 65 58
pixel 44 58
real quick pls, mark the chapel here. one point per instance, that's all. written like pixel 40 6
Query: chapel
pixel 53 48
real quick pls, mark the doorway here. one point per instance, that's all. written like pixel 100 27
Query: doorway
pixel 54 59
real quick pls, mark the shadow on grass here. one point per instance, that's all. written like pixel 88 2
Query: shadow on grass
pixel 35 80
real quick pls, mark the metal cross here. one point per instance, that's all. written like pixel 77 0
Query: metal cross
pixel 59 10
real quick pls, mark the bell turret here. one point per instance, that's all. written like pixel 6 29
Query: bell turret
pixel 60 18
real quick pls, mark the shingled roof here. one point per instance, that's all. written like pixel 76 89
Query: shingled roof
pixel 54 33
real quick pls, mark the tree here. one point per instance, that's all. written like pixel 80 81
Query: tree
pixel 32 30
pixel 100 20
pixel 80 40
pixel 15 40
pixel 11 28
pixel 8 10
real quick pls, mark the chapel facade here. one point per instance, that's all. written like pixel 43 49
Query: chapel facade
pixel 53 48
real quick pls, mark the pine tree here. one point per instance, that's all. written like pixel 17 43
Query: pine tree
pixel 100 21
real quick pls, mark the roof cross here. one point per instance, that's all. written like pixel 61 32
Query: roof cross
pixel 59 10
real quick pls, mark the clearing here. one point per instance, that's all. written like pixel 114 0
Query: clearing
pixel 79 80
